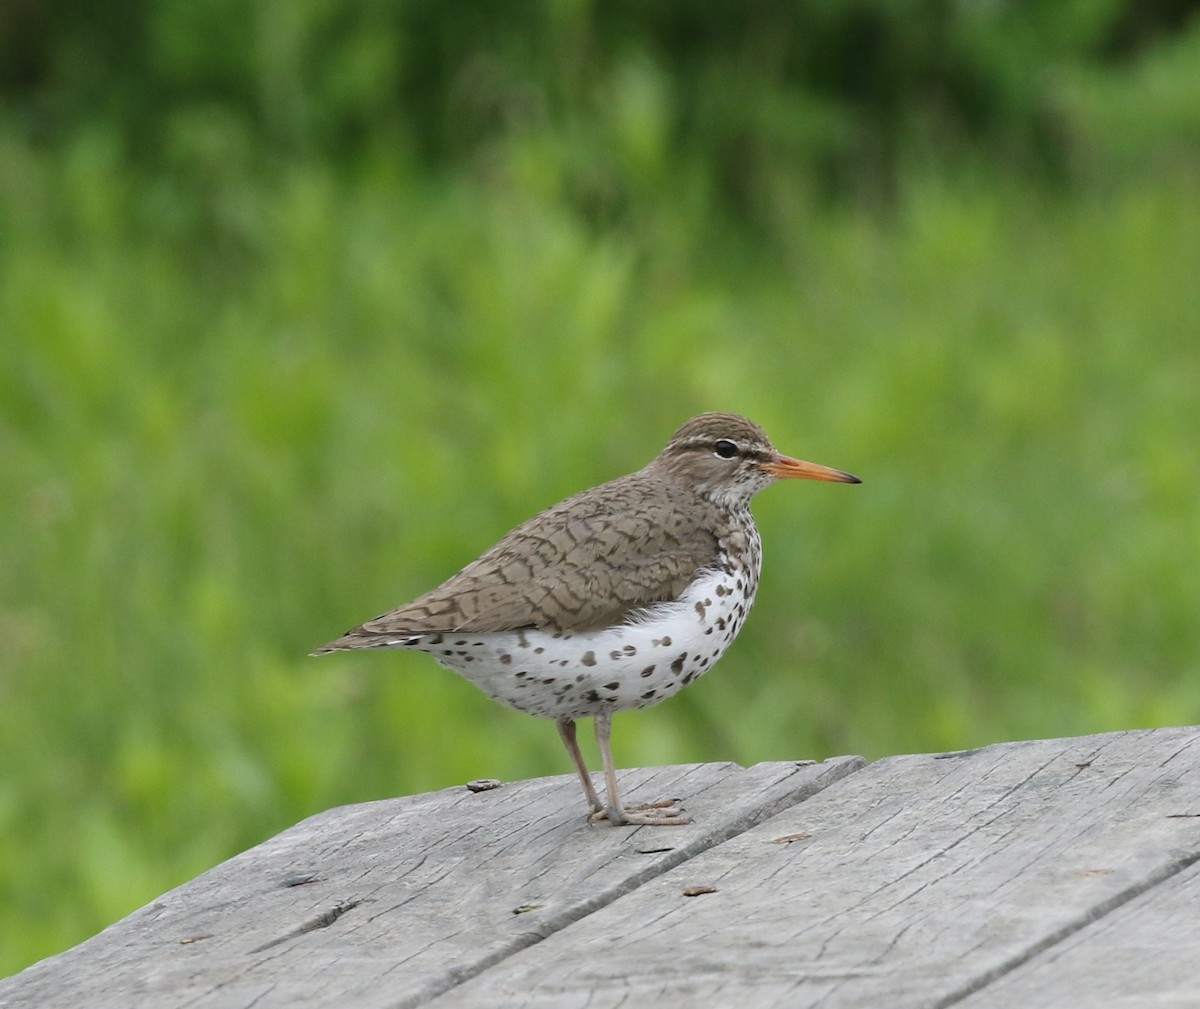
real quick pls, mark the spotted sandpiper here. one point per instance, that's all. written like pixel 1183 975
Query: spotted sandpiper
pixel 614 599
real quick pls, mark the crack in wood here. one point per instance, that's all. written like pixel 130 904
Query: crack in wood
pixel 322 920
pixel 1094 915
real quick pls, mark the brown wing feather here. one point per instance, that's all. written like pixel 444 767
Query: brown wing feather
pixel 572 568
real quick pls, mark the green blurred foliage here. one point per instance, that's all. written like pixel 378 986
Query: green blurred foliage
pixel 303 304
pixel 840 88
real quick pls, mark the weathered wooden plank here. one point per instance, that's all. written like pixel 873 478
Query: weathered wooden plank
pixel 911 883
pixel 389 903
pixel 1143 955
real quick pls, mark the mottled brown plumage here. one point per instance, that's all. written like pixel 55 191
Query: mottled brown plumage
pixel 615 598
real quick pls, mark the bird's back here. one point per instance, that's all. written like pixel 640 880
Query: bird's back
pixel 582 565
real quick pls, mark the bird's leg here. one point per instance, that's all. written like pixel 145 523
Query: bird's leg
pixel 667 813
pixel 566 732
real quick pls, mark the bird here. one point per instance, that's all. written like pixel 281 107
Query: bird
pixel 614 599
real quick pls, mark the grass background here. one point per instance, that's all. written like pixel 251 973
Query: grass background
pixel 248 400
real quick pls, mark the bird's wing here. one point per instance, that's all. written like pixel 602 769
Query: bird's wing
pixel 580 566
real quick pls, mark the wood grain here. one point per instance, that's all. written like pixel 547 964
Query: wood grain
pixel 389 903
pixel 1032 874
pixel 1144 954
pixel 923 880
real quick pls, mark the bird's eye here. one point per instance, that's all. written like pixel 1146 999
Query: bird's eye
pixel 725 448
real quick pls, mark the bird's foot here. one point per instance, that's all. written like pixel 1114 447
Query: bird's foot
pixel 666 813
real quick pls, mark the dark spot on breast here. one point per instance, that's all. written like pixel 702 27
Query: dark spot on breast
pixel 677 665
pixel 648 694
pixel 460 643
pixel 505 659
pixel 612 686
pixel 522 674
pixel 592 697
pixel 548 680
pixel 721 590
pixel 589 658
pixel 447 651
pixel 701 608
pixel 629 650
pixel 538 650
pixel 649 670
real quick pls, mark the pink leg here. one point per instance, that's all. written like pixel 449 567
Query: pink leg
pixel 566 732
pixel 656 814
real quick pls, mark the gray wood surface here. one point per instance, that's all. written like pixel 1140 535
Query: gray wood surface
pixel 1034 874
pixel 389 903
pixel 1142 955
pixel 923 880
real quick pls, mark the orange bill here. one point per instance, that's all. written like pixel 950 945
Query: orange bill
pixel 794 469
